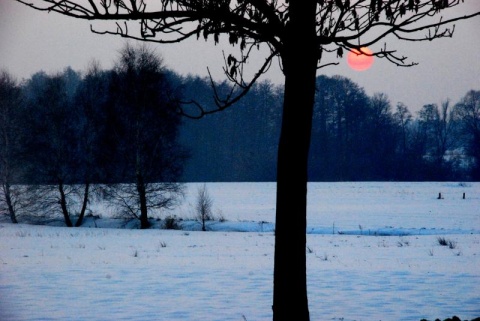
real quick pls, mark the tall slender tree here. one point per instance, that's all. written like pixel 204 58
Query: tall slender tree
pixel 302 33
pixel 90 122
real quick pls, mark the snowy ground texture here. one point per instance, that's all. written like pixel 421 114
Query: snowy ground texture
pixel 373 254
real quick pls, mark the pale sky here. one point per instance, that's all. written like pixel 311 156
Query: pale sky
pixel 32 41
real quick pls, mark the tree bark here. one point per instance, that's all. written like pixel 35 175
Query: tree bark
pixel 6 161
pixel 8 200
pixel 84 205
pixel 63 204
pixel 299 61
pixel 144 224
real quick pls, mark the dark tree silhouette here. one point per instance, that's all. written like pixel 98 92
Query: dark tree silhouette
pixel 339 143
pixel 51 141
pixel 468 110
pixel 89 98
pixel 438 125
pixel 238 144
pixel 10 147
pixel 302 33
pixel 144 124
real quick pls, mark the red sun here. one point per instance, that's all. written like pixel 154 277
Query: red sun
pixel 358 60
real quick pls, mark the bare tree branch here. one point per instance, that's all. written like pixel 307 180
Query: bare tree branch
pixel 248 24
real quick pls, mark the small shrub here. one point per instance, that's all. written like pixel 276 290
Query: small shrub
pixel 323 258
pixel 383 244
pixel 403 243
pixel 452 245
pixel 160 245
pixel 454 318
pixel 172 223
pixel 445 242
pixel 220 217
pixel 442 241
pixel 22 234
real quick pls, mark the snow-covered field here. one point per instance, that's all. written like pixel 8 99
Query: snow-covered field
pixel 373 254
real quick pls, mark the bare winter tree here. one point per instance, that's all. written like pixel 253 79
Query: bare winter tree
pixel 19 197
pixel 303 34
pixel 203 206
pixel 438 124
pixel 51 148
pixel 10 137
pixel 145 126
pixel 89 100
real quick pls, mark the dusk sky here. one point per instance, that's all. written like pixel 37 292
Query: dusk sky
pixel 31 41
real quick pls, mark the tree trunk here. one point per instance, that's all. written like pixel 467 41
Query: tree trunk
pixel 299 61
pixel 8 200
pixel 144 224
pixel 6 160
pixel 63 204
pixel 84 205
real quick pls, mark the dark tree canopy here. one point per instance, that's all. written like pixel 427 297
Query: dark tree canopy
pixel 143 127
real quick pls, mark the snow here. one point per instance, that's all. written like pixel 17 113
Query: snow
pixel 372 254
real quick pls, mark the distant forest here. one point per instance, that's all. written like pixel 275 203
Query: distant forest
pixel 355 137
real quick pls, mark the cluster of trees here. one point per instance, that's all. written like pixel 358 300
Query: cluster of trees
pixel 114 133
pixel 355 137
pixel 64 135
pixel 237 144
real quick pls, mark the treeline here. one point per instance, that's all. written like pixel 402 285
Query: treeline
pixel 355 137
pixel 102 126
pixel 121 134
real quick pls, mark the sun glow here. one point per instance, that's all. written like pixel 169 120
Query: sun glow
pixel 360 61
